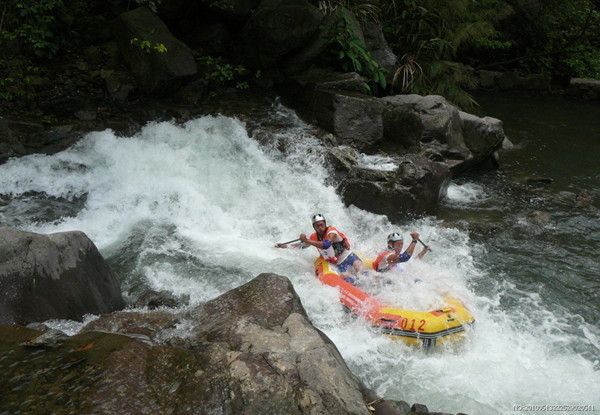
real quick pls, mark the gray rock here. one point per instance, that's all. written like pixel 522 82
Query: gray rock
pixel 419 408
pixel 378 47
pixel 402 129
pixel 302 59
pixel 278 27
pixel 49 339
pixel 60 275
pixel 507 144
pixel 482 136
pixel 158 73
pixel 538 217
pixel 251 350
pixel 415 187
pixel 154 299
pixel 355 118
pixel 440 119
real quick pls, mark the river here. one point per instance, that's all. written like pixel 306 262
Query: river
pixel 196 209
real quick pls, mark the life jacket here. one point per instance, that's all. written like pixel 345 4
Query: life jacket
pixel 338 251
pixel 382 260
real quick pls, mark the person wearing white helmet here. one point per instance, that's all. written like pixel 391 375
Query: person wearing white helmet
pixel 393 255
pixel 333 245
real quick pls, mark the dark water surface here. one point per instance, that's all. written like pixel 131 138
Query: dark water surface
pixel 534 233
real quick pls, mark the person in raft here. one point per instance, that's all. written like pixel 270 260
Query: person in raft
pixel 333 245
pixel 393 255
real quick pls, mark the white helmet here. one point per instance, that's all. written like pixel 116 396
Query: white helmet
pixel 394 237
pixel 318 218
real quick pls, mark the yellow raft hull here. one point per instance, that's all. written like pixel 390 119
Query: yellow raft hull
pixel 418 328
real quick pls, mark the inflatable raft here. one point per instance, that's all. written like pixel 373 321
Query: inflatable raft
pixel 419 328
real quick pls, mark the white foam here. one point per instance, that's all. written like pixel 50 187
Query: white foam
pixel 466 194
pixel 207 204
pixel 377 162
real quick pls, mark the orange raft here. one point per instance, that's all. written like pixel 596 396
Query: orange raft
pixel 419 328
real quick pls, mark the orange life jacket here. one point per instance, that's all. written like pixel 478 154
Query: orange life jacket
pixel 336 248
pixel 381 257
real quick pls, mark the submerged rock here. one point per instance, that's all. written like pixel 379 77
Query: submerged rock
pixel 60 275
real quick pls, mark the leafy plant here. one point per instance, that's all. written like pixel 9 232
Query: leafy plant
pixel 353 54
pixel 32 25
pixel 147 46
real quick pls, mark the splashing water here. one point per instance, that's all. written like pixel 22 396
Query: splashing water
pixel 196 209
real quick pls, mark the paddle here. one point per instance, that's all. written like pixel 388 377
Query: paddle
pixel 282 244
pixel 426 246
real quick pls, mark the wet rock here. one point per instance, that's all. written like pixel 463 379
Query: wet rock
pixel 343 159
pixel 150 325
pixel 402 129
pixel 418 408
pixel 278 27
pixel 154 299
pixel 157 72
pixel 49 339
pixel 440 120
pixel 356 119
pixel 537 180
pixel 538 217
pixel 482 136
pixel 415 187
pixel 251 350
pixel 583 199
pixel 507 144
pixel 60 275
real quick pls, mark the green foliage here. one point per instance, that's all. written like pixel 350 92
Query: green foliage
pixel 219 74
pixel 353 54
pixel 147 46
pixel 32 25
pixel 429 35
pixel 17 79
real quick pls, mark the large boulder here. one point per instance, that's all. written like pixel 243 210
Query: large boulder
pixel 337 102
pixel 414 186
pixel 440 119
pixel 278 27
pixel 354 118
pixel 158 72
pixel 483 136
pixel 250 351
pixel 61 275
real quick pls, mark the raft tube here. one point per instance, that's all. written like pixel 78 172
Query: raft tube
pixel 417 328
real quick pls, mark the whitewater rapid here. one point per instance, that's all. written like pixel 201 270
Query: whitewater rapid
pixel 196 209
